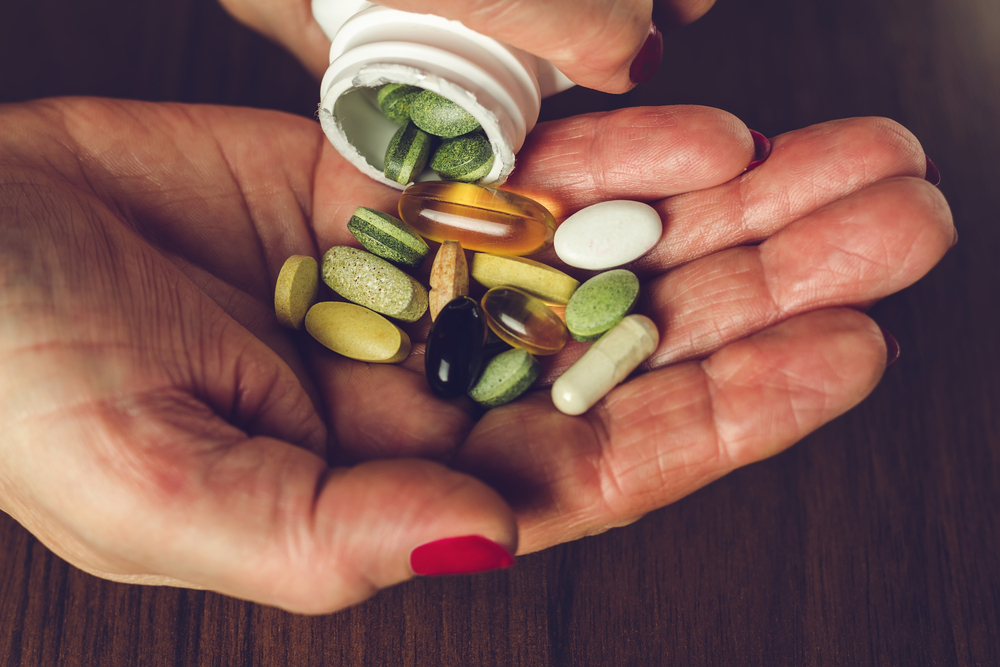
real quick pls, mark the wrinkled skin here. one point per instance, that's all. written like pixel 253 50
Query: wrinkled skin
pixel 159 427
pixel 593 42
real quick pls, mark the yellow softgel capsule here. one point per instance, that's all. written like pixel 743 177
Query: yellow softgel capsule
pixel 295 290
pixel 521 320
pixel 479 218
pixel 541 280
pixel 605 364
pixel 357 333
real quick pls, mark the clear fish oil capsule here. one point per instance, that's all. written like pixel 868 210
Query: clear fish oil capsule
pixel 522 320
pixel 483 219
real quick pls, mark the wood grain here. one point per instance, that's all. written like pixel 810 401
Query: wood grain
pixel 872 542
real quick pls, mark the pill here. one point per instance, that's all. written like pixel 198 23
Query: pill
pixel 394 101
pixel 449 277
pixel 524 321
pixel 357 333
pixel 440 116
pixel 540 280
pixel 608 234
pixel 479 218
pixel 388 237
pixel 372 282
pixel 466 158
pixel 407 153
pixel 295 290
pixel 601 303
pixel 506 376
pixel 454 353
pixel 605 364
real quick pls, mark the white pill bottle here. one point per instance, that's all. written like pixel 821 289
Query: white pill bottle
pixel 502 87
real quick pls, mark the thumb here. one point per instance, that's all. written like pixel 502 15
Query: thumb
pixel 608 45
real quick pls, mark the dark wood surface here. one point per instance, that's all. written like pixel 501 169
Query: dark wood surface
pixel 875 541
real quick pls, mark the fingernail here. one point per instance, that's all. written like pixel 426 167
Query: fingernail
pixel 933 176
pixel 891 348
pixel 647 61
pixel 459 555
pixel 761 149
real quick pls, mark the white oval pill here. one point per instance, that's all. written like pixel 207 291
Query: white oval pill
pixel 608 234
pixel 605 364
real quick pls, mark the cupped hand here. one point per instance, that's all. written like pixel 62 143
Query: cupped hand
pixel 607 45
pixel 159 427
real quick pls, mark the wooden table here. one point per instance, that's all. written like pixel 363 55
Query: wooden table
pixel 874 541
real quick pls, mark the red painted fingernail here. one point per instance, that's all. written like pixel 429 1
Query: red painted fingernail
pixel 933 176
pixel 891 348
pixel 647 61
pixel 761 149
pixel 459 555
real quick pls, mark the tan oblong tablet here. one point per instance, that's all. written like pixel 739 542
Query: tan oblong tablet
pixel 540 280
pixel 357 333
pixel 296 289
pixel 605 364
pixel 449 277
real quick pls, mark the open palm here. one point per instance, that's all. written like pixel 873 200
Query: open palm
pixel 159 427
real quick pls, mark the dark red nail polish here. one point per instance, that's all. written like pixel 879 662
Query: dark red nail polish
pixel 761 149
pixel 933 176
pixel 647 61
pixel 891 348
pixel 459 555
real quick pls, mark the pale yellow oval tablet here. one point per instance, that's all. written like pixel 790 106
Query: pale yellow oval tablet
pixel 548 284
pixel 357 333
pixel 296 289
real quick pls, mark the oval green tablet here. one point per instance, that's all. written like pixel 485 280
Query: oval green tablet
pixel 407 153
pixel 506 376
pixel 440 116
pixel 388 237
pixel 601 303
pixel 374 283
pixel 394 101
pixel 466 158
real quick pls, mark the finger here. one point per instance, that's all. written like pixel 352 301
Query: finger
pixel 594 42
pixel 289 23
pixel 852 252
pixel 807 169
pixel 669 432
pixel 644 153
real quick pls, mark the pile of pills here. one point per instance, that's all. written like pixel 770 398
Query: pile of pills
pixel 486 349
pixel 432 129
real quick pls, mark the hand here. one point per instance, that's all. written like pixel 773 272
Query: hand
pixel 160 428
pixel 593 42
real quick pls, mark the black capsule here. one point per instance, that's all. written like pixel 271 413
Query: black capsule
pixel 454 354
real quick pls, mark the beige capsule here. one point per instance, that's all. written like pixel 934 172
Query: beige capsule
pixel 357 332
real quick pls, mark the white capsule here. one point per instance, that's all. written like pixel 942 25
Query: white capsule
pixel 605 364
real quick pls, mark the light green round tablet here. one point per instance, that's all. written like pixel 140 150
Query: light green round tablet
pixel 394 101
pixel 601 303
pixel 466 158
pixel 440 116
pixel 407 154
pixel 506 376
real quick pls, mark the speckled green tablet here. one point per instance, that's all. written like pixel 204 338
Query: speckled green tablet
pixel 601 303
pixel 440 116
pixel 407 153
pixel 466 158
pixel 506 376
pixel 394 101
pixel 372 282
pixel 388 237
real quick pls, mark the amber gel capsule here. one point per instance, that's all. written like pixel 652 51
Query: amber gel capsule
pixel 483 219
pixel 454 353
pixel 605 364
pixel 522 320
